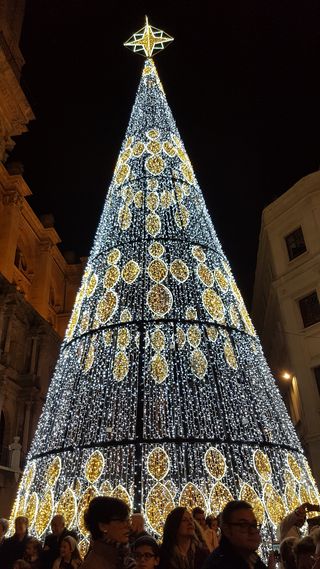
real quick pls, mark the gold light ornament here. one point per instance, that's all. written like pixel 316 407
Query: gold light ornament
pixel 88 362
pixel 53 471
pixel 127 195
pixel 274 504
pixel 28 476
pixel 179 270
pixel 123 338
pixel 94 466
pixel 67 507
pixel 215 463
pixel 221 280
pixel 181 217
pixel 191 313
pixel 166 199
pixel 122 174
pixel 213 304
pixel 304 495
pixel 154 147
pixel 138 199
pixel 153 224
pixel 194 336
pixel 236 291
pixel 84 502
pixel 191 497
pixel 181 337
pixel 152 201
pixel 169 148
pixel 234 316
pixel 294 467
pixel 153 133
pixel 124 217
pixel 72 323
pixel 158 340
pixel 158 463
pixel 83 546
pixel 155 165
pixel 158 505
pixel 159 368
pixel 212 333
pixel 230 355
pixel 156 249
pixel 121 493
pixel 159 299
pixel 187 172
pixel 113 257
pixel 247 320
pixel 198 253
pixel 220 495
pixel 262 465
pixel 248 494
pixel 84 324
pixel 111 277
pixel 120 366
pixel 205 274
pixel 106 488
pixel 148 41
pixel 130 272
pixel 32 509
pixel 44 514
pixel 91 286
pixel 157 270
pixel 138 149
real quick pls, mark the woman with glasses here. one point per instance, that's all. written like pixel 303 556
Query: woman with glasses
pixel 180 547
pixel 146 553
pixel 107 520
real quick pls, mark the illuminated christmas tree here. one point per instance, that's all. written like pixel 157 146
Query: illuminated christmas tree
pixel 161 395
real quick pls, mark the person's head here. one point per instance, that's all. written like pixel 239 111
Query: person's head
pixel 4 525
pixel 300 514
pixel 212 522
pixel 146 552
pixel 58 524
pixel 21 526
pixel 33 549
pixel 286 552
pixel 21 564
pixel 304 551
pixel 179 524
pixel 108 518
pixel 69 549
pixel 137 523
pixel 198 515
pixel 239 526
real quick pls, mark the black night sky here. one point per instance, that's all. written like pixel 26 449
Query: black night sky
pixel 241 78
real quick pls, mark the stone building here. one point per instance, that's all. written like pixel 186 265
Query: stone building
pixel 286 308
pixel 37 284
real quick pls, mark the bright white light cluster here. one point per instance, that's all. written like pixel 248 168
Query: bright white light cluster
pixel 161 394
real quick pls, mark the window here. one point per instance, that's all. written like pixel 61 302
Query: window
pixel 310 309
pixel 295 243
pixel 317 376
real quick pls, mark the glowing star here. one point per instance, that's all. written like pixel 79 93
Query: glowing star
pixel 148 41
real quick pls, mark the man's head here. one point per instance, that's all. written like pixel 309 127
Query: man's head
pixel 239 526
pixel 146 552
pixel 4 525
pixel 57 524
pixel 21 526
pixel 198 515
pixel 304 552
pixel 137 523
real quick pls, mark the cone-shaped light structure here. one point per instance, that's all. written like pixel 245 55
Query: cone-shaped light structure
pixel 161 395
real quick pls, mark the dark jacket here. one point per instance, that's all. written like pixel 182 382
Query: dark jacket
pixel 11 550
pixel 225 557
pixel 52 547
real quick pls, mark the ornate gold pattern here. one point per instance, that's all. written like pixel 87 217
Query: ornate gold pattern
pixel 106 488
pixel 113 257
pixel 294 467
pixel 213 304
pixel 84 502
pixel 248 494
pixel 205 275
pixel 262 464
pixel 111 277
pixel 138 149
pixel 138 199
pixel 156 249
pixel 155 165
pixel 191 313
pixel 181 217
pixel 91 287
pixel 198 253
pixel 44 514
pixel 221 280
pixel 94 466
pixel 153 133
pixel 159 299
pixel 158 463
pixel 199 364
pixel 159 504
pixel 230 355
pixel 215 463
pixel 158 340
pixel 84 324
pixel 121 493
pixel 152 201
pixel 166 199
pixel 181 337
pixel 157 270
pixel 53 471
pixel 192 497
pixel 291 497
pixel 154 147
pixel 67 506
pixel 107 306
pixel 120 366
pixel 122 174
pixel 32 509
pixel 88 363
pixel 153 224
pixel 130 272
pixel 159 368
pixel 212 333
pixel 274 504
pixel 194 336
pixel 187 172
pixel 169 148
pixel 107 337
pixel 124 217
pixel 247 320
pixel 219 497
pixel 234 316
pixel 123 339
pixel 179 270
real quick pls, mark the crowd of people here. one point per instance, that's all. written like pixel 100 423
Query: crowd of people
pixel 189 541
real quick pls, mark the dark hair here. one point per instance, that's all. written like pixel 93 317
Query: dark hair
pixel 232 507
pixel 101 510
pixel 196 511
pixel 37 544
pixel 304 545
pixel 170 531
pixel 147 540
pixel 24 519
pixel 5 524
pixel 286 552
pixel 210 519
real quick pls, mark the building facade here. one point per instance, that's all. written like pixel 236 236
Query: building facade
pixel 286 307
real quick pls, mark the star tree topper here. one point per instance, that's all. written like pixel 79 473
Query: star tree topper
pixel 148 41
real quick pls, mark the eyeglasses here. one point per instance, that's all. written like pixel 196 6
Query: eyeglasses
pixel 245 527
pixel 140 556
